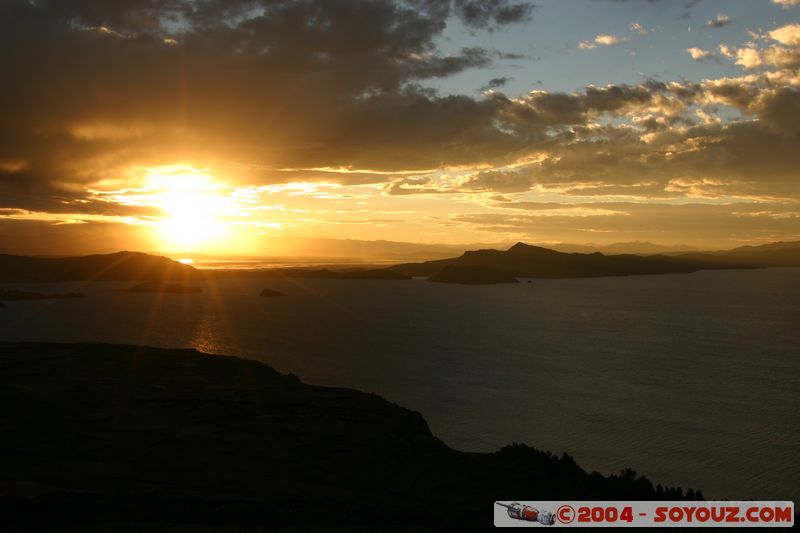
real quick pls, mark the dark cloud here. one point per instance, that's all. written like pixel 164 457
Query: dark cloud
pixel 744 159
pixel 779 109
pixel 287 82
pixel 481 13
pixel 496 83
pixel 27 191
pixel 509 55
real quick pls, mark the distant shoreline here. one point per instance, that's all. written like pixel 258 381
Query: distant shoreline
pixel 487 266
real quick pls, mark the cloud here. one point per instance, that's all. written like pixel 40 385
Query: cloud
pixel 698 54
pixel 786 58
pixel 784 55
pixel 496 83
pixel 266 93
pixel 508 55
pixel 415 185
pixel 719 21
pixel 606 222
pixel 747 57
pixel 786 4
pixel 788 35
pixel 482 13
pixel 601 40
pixel 638 28
pixel 498 181
pixel 122 96
pixel 727 224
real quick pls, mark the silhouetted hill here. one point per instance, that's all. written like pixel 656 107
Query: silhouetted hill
pixel 633 247
pixel 778 254
pixel 526 261
pixel 132 435
pixel 271 293
pixel 770 247
pixel 124 266
pixel 137 266
pixel 471 275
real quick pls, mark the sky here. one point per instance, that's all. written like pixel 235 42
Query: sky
pixel 233 127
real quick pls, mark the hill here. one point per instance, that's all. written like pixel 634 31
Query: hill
pixel 777 254
pixel 633 247
pixel 124 266
pixel 111 434
pixel 137 266
pixel 525 261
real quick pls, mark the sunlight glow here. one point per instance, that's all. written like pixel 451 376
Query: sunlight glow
pixel 193 204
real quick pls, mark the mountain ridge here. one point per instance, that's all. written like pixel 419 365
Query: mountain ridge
pixel 519 260
pixel 527 261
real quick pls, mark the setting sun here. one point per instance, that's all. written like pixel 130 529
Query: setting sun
pixel 193 206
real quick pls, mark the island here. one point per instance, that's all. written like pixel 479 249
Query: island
pixel 519 261
pixel 11 294
pixel 527 261
pixel 271 293
pixel 135 438
pixel 473 267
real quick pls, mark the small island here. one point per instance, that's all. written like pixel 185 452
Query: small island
pixel 472 275
pixel 11 294
pixel 172 288
pixel 271 293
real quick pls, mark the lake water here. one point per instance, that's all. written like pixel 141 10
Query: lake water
pixel 690 379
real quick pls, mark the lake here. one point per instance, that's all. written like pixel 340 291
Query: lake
pixel 690 379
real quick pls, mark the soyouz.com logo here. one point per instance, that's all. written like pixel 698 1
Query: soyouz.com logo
pixel 644 514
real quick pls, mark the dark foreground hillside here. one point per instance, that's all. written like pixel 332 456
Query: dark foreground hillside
pixel 107 435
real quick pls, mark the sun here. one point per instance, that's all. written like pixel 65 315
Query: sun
pixel 193 206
